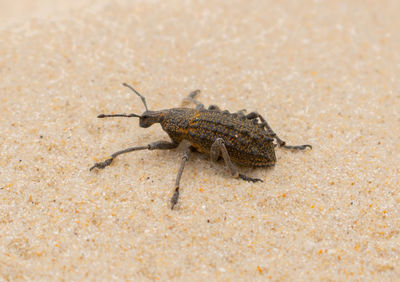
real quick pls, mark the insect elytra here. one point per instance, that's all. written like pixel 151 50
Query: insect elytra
pixel 238 138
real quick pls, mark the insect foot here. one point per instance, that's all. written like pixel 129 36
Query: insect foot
pixel 244 177
pixel 175 197
pixel 102 165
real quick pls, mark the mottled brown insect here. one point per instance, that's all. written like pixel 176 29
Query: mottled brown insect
pixel 243 139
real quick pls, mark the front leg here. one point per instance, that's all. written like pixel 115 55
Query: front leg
pixel 218 148
pixel 158 145
pixel 175 196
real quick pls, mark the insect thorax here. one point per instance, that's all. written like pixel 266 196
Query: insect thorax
pixel 176 122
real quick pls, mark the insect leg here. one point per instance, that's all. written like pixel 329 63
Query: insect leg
pixel 218 148
pixel 240 113
pixel 264 124
pixel 191 98
pixel 158 145
pixel 213 108
pixel 175 196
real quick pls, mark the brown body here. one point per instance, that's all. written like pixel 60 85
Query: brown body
pixel 247 143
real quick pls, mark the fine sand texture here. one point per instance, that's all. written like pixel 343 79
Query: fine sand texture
pixel 325 73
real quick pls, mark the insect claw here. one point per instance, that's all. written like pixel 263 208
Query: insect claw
pixel 101 165
pixel 174 199
pixel 299 147
pixel 246 178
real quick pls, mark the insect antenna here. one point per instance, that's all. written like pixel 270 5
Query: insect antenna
pixel 137 93
pixel 118 115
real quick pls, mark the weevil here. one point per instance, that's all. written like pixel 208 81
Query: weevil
pixel 238 138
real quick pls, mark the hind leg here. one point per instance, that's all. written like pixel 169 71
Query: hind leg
pixel 281 143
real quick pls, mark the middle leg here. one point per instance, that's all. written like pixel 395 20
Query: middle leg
pixel 218 148
pixel 191 98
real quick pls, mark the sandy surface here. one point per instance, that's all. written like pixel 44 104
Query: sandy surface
pixel 322 72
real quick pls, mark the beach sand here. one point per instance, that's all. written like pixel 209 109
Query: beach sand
pixel 324 73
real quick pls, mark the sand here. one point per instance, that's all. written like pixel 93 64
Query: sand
pixel 324 73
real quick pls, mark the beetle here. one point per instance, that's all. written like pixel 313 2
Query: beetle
pixel 237 138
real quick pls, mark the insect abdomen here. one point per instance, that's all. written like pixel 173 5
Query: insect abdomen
pixel 247 143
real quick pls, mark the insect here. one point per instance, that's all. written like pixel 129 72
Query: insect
pixel 243 139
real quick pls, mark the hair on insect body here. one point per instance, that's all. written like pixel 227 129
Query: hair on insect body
pixel 237 138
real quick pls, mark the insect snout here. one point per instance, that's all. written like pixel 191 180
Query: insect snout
pixel 148 118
